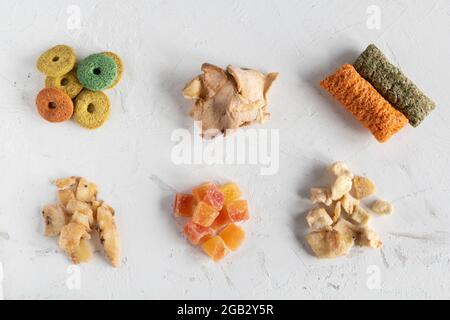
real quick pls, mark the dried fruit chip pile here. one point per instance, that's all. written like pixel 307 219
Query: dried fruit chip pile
pixel 213 212
pixel 339 219
pixel 378 94
pixel 75 90
pixel 76 216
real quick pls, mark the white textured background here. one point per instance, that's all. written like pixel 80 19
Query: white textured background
pixel 163 44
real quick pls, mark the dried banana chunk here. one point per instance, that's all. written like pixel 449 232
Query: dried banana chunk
pixel 70 240
pixel 362 187
pixel 335 212
pixel 320 195
pixel 369 238
pixel 361 216
pixel 340 169
pixel 109 235
pixel 349 203
pixel 319 219
pixel 382 207
pixel 329 243
pixel 341 186
pixel 55 218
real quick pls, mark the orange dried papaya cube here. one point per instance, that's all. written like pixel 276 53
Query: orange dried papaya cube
pixel 196 233
pixel 222 220
pixel 215 248
pixel 238 210
pixel 200 191
pixel 230 191
pixel 183 205
pixel 214 197
pixel 204 214
pixel 233 236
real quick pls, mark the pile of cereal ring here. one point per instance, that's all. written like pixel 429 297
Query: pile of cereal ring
pixel 76 89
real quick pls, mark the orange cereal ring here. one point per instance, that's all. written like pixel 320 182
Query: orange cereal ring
pixel 54 105
pixel 364 102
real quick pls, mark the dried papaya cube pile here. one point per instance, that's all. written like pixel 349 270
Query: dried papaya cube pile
pixel 212 213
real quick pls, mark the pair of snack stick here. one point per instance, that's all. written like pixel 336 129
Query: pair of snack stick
pixel 83 83
pixel 378 94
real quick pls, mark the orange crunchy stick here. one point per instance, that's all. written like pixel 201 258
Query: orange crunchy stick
pixel 364 102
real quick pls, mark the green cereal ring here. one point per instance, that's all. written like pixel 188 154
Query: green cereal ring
pixel 119 64
pixel 92 109
pixel 57 61
pixel 54 105
pixel 393 85
pixel 97 72
pixel 68 83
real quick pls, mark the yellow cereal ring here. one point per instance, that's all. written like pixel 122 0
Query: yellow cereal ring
pixel 119 64
pixel 57 61
pixel 68 83
pixel 92 109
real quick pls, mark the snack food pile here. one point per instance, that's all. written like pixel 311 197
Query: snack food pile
pixel 76 90
pixel 378 94
pixel 226 100
pixel 339 219
pixel 213 213
pixel 76 216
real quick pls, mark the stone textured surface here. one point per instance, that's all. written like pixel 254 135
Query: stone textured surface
pixel 161 50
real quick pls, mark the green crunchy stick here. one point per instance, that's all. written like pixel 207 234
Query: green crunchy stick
pixel 393 85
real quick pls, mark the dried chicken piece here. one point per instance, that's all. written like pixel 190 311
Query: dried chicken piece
pixel 65 195
pixel 76 217
pixel 55 218
pixel 329 243
pixel 109 235
pixel 319 219
pixel 320 195
pixel 70 241
pixel 86 191
pixel 81 207
pixel 229 99
pixel 66 182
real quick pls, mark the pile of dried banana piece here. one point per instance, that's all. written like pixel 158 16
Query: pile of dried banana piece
pixel 76 215
pixel 340 220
